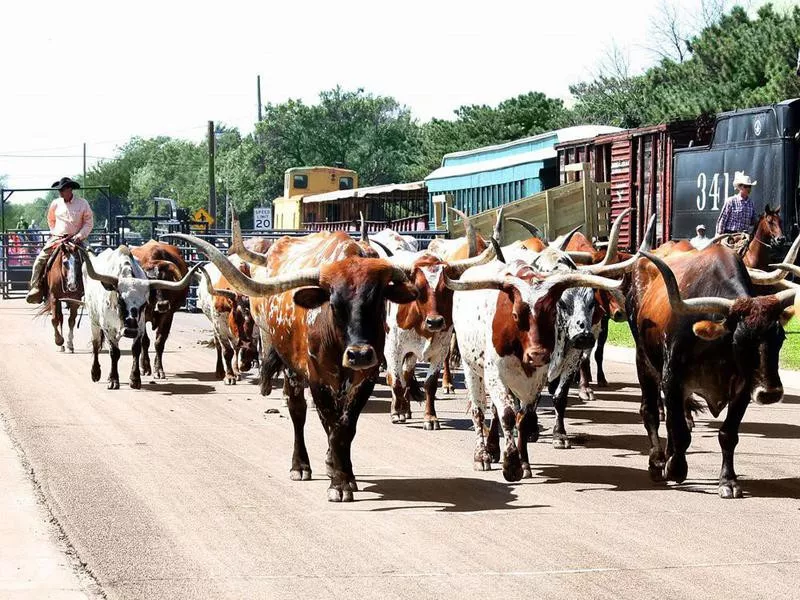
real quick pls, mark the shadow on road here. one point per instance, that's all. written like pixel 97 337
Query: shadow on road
pixel 615 478
pixel 176 389
pixel 770 430
pixel 606 417
pixel 198 375
pixel 458 494
pixel 631 442
pixel 772 488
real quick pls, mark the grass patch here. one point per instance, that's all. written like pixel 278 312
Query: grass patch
pixel 619 334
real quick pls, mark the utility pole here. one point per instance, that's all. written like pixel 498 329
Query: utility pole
pixel 212 179
pixel 258 94
pixel 84 163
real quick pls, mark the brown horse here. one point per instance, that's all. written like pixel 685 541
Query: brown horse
pixel 767 235
pixel 64 283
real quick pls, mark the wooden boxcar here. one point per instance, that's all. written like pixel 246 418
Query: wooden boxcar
pixel 683 171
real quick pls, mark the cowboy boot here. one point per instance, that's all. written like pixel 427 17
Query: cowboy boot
pixel 35 293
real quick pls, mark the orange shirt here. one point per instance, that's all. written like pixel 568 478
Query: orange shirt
pixel 69 218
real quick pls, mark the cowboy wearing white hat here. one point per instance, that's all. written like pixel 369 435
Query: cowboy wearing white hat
pixel 738 213
pixel 700 241
pixel 70 218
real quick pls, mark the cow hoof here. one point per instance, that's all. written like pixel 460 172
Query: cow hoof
pixel 71 349
pixel 449 390
pixel 401 419
pixel 300 474
pixel 96 374
pixel 676 468
pixel 656 471
pixel 431 425
pixel 334 495
pixel 601 381
pixel 561 443
pixel 146 371
pixel 160 374
pixel 512 466
pixel 526 471
pixel 408 416
pixel 730 490
pixel 586 394
pixel 60 348
pixel 113 385
pixel 230 381
pixel 482 465
pixel 351 485
pixel 136 384
pixel 395 418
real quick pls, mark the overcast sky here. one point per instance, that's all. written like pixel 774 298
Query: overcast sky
pixel 101 72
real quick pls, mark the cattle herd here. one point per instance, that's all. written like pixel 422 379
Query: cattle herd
pixel 330 313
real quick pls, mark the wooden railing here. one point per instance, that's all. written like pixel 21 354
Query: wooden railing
pixel 412 223
pixel 554 211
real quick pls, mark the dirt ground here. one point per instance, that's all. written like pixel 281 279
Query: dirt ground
pixel 182 490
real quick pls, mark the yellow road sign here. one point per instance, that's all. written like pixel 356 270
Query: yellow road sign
pixel 201 214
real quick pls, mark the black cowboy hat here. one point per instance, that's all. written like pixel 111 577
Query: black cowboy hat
pixel 65 182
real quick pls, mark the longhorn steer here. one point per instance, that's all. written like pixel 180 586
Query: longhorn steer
pixel 330 333
pixel 229 313
pixel 700 330
pixel 117 295
pixel 505 316
pixel 422 331
pixel 163 262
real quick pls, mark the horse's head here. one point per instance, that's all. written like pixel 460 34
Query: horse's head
pixel 70 261
pixel 769 229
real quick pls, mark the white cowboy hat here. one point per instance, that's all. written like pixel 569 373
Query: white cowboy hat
pixel 739 178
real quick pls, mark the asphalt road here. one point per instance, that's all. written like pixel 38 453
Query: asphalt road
pixel 182 490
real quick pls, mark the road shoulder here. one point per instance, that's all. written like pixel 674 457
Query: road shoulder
pixel 35 561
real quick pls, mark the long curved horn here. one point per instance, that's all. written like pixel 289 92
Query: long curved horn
pixel 620 268
pixel 720 237
pixel 230 294
pixel 497 250
pixel 613 236
pixel 497 234
pixel 780 271
pixel 389 253
pixel 160 284
pixel 364 232
pixel 581 258
pixel 693 306
pixel 244 284
pixel 469 232
pixel 457 267
pixel 237 244
pixel 495 282
pixel 560 245
pixel 101 277
pixel 532 229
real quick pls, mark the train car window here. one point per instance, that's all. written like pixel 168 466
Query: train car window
pixel 300 182
pixel 345 183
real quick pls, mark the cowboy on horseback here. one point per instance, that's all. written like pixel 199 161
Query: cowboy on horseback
pixel 738 213
pixel 71 220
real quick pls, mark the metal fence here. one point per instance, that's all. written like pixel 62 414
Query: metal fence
pixel 18 250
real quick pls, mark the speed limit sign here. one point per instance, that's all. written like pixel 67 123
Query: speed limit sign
pixel 262 217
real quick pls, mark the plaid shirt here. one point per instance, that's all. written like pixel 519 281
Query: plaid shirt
pixel 738 214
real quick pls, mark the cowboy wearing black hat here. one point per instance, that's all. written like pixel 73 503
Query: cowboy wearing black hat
pixel 70 219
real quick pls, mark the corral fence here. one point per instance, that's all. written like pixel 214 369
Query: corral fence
pixel 18 250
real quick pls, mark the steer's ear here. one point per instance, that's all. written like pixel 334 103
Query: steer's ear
pixel 311 297
pixel 401 293
pixel 709 330
pixel 787 315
